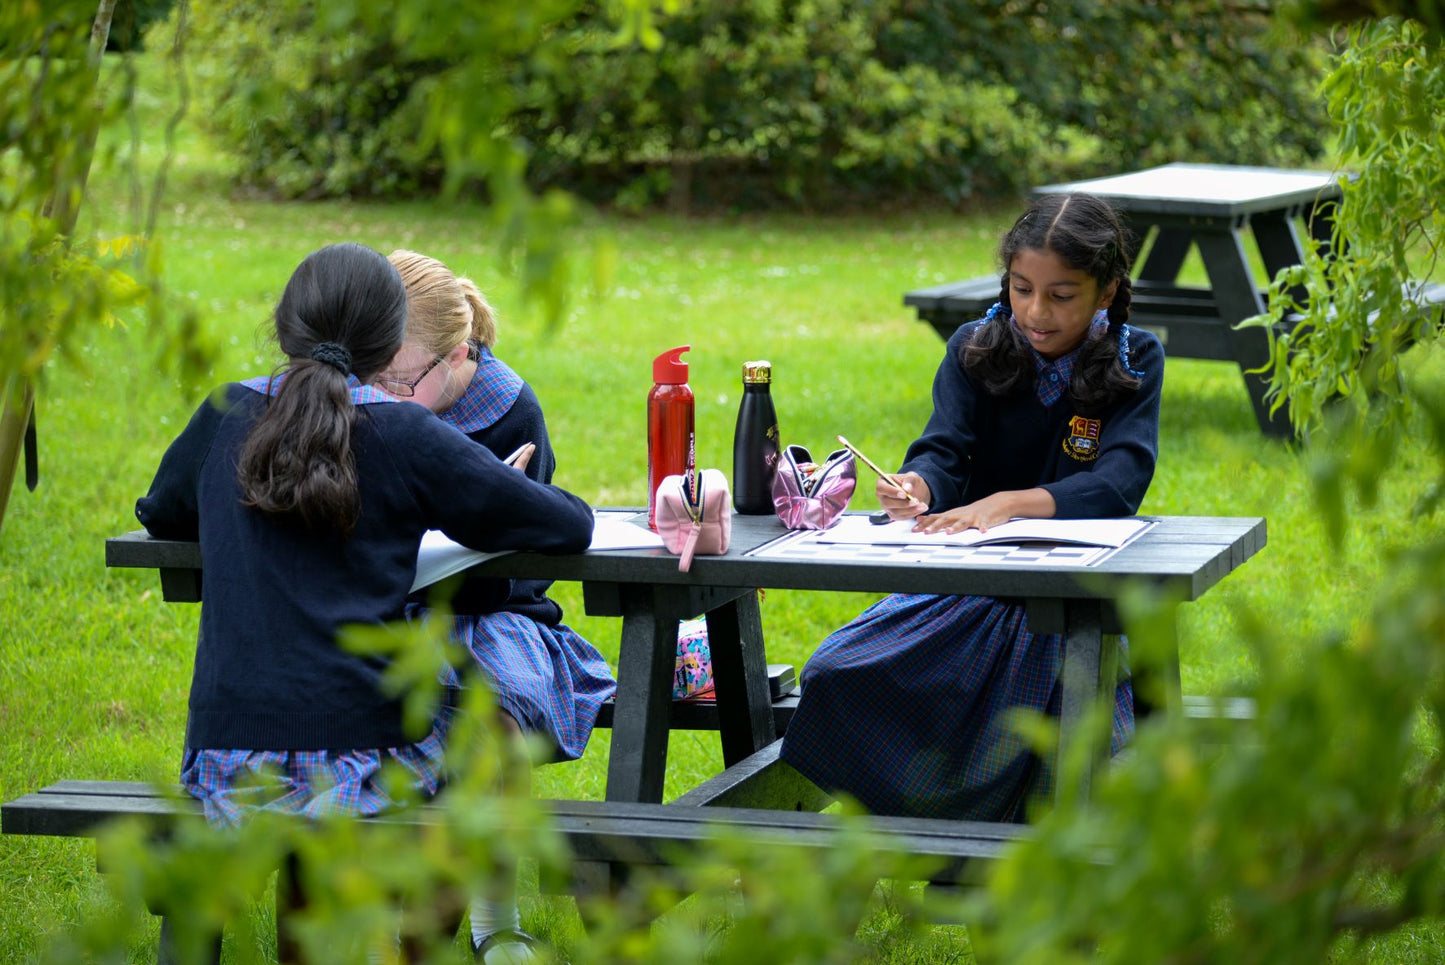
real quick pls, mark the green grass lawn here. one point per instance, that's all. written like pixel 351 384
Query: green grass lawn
pixel 94 667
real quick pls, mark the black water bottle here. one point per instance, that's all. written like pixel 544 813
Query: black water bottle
pixel 755 442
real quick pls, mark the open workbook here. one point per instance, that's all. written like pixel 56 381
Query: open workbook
pixel 1076 532
pixel 441 556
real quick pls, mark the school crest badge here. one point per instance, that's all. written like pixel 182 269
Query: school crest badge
pixel 1082 442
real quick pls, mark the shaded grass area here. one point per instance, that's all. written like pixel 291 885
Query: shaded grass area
pixel 94 667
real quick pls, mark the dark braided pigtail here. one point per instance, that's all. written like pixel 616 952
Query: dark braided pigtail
pixel 1103 371
pixel 997 355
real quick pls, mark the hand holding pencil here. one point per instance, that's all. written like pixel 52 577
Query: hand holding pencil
pixel 902 495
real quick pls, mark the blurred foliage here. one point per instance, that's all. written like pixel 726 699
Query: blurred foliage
pixel 368 884
pixel 51 107
pixel 55 98
pixel 132 19
pixel 760 102
pixel 1357 313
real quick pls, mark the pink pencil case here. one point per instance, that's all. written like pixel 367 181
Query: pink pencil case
pixel 695 515
pixel 807 495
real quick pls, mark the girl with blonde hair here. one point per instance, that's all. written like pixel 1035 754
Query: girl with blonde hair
pixel 548 680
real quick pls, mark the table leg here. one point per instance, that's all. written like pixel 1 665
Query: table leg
pixel 1279 244
pixel 1090 672
pixel 1235 294
pixel 1157 687
pixel 647 656
pixel 1166 258
pixel 740 672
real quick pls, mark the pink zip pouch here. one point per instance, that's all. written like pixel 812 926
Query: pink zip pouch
pixel 809 495
pixel 695 515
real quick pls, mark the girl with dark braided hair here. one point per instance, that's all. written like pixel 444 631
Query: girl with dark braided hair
pixel 1048 406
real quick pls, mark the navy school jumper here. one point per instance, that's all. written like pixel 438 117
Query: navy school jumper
pixel 269 673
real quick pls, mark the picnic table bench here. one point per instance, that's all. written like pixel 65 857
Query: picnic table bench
pixel 631 834
pixel 1216 209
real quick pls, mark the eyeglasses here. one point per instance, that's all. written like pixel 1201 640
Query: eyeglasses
pixel 403 389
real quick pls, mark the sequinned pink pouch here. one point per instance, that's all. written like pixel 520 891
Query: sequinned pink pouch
pixel 809 495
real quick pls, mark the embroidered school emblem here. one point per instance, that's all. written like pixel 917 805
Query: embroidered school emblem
pixel 1083 441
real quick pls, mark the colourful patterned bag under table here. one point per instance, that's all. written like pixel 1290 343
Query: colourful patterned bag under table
pixel 692 674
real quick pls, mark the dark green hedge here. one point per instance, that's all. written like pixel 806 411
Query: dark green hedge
pixel 754 103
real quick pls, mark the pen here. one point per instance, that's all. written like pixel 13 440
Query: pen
pixel 889 478
pixel 512 459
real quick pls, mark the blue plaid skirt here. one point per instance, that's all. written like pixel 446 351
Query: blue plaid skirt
pixel 549 679
pixel 232 783
pixel 905 708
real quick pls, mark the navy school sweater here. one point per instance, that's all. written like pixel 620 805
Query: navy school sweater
pixel 1095 463
pixel 523 422
pixel 269 674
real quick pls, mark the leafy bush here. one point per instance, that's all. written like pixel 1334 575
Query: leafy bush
pixel 757 102
pixel 1153 81
pixel 307 114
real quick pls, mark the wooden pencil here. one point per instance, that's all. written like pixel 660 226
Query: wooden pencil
pixel 887 477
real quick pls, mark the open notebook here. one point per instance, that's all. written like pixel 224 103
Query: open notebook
pixel 441 556
pixel 853 529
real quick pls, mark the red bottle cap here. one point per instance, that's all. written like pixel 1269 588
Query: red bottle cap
pixel 669 368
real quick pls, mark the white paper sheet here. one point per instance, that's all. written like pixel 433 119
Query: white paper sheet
pixel 617 531
pixel 855 529
pixel 440 556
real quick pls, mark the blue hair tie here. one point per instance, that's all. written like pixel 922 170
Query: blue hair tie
pixel 994 310
pixel 1124 352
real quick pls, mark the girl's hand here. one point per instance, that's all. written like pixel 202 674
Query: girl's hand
pixel 906 503
pixel 989 511
pixel 519 459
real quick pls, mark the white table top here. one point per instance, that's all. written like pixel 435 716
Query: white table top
pixel 1207 189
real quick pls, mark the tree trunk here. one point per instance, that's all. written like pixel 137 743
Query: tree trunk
pixel 64 208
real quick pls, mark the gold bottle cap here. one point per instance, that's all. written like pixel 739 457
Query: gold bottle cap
pixel 759 371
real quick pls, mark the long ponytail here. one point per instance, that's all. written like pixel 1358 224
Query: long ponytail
pixel 343 313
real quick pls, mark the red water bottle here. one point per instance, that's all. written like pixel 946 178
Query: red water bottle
pixel 669 424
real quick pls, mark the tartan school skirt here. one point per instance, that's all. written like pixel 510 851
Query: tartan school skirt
pixel 231 784
pixel 904 709
pixel 548 678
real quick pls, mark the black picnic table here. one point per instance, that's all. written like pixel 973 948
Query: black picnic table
pixel 1170 209
pixel 1181 556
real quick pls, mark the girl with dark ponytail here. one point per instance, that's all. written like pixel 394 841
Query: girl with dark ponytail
pixel 1048 406
pixel 309 491
pixel 341 316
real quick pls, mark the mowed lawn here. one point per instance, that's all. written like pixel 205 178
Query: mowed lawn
pixel 94 666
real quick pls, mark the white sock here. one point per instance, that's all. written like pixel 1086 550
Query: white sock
pixel 490 917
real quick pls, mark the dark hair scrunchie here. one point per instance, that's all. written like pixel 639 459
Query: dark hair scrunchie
pixel 334 355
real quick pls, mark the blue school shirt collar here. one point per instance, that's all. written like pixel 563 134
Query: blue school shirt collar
pixel 492 393
pixel 360 394
pixel 1054 374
